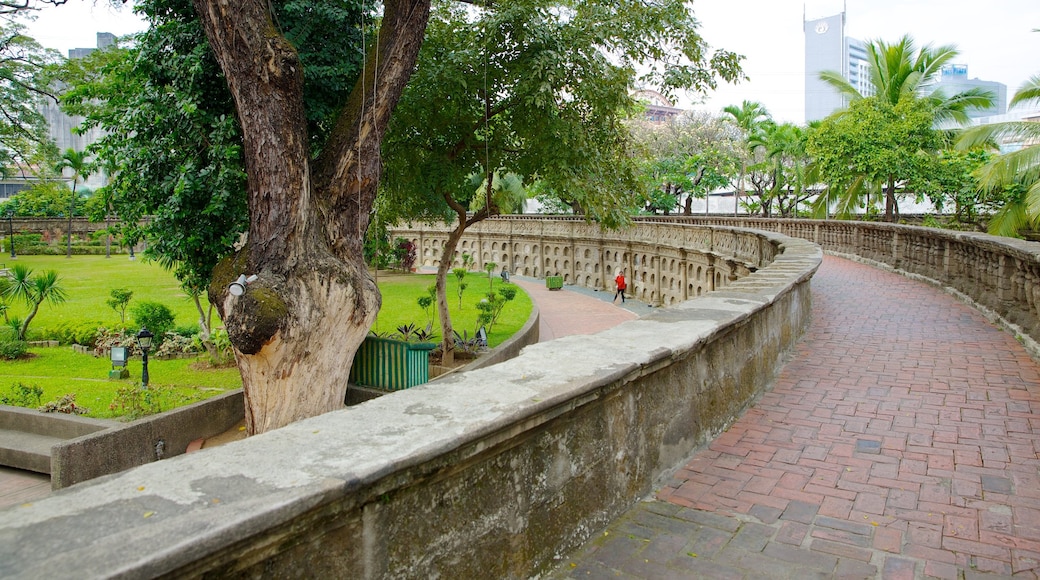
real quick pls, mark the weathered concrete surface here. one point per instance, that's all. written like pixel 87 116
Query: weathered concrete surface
pixel 126 445
pixel 492 473
pixel 26 435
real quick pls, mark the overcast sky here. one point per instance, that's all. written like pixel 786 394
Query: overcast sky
pixel 994 38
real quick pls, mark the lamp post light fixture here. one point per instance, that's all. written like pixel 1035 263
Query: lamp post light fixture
pixel 144 341
pixel 10 231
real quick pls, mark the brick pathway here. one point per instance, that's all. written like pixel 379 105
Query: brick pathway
pixel 901 442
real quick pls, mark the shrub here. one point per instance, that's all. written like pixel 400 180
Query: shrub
pixel 174 343
pixel 66 404
pixel 133 402
pixel 22 395
pixel 13 349
pixel 189 330
pixel 157 317
pixel 109 337
pixel 83 333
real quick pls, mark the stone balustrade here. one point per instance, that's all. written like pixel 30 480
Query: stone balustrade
pixel 998 276
pixel 493 473
pixel 665 264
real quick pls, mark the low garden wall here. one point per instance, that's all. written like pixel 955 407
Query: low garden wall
pixel 127 445
pixel 493 473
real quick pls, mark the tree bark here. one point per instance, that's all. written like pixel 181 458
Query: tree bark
pixel 296 328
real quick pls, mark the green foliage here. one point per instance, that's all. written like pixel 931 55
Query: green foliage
pixel 688 158
pixel 172 142
pixel 71 332
pixel 89 281
pixel 157 317
pixel 900 71
pixel 863 153
pixel 13 349
pixel 489 267
pixel 119 300
pixel 400 306
pixel 33 289
pixel 24 87
pixel 528 89
pixel 44 198
pixel 1011 179
pixel 132 402
pixel 427 301
pixel 460 277
pixel 23 395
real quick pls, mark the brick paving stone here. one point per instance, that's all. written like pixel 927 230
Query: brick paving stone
pixel 902 440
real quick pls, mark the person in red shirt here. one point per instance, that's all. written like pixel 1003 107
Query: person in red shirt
pixel 620 281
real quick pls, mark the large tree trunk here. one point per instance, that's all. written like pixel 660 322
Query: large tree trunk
pixel 296 329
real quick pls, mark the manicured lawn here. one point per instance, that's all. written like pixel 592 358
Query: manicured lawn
pixel 61 370
pixel 88 280
pixel 400 305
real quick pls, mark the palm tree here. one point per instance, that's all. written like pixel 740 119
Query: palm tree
pixel 751 117
pixel 1016 169
pixel 77 162
pixel 34 290
pixel 902 73
pixel 900 69
pixel 784 146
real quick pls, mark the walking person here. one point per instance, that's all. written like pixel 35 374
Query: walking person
pixel 620 281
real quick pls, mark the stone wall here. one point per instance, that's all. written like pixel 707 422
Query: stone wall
pixel 998 276
pixel 664 264
pixel 494 473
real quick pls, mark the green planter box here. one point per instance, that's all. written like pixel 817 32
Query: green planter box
pixel 391 365
pixel 554 282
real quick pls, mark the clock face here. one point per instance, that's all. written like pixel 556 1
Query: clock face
pixel 821 27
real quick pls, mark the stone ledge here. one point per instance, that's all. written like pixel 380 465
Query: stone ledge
pixel 525 458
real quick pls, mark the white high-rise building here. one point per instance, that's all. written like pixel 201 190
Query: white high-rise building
pixel 827 48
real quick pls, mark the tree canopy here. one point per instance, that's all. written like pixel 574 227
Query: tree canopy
pixel 25 85
pixel 172 140
pixel 538 89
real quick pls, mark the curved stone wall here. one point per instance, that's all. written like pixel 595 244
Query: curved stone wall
pixel 494 473
pixel 665 263
pixel 999 276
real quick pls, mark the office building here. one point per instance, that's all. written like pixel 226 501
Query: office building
pixel 827 48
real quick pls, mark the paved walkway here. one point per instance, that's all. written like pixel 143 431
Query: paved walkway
pixel 576 310
pixel 901 442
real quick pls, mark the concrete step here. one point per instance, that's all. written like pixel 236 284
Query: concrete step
pixel 28 451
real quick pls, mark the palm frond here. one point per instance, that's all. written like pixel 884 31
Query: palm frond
pixel 1029 91
pixel 989 135
pixel 838 82
pixel 1008 220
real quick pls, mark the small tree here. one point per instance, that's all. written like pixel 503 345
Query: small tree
pixel 34 290
pixel 426 302
pixel 120 299
pixel 460 274
pixel 156 316
pixel 490 269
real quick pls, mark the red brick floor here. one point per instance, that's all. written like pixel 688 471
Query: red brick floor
pixel 906 424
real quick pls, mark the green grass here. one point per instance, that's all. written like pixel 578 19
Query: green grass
pixel 400 305
pixel 59 371
pixel 88 281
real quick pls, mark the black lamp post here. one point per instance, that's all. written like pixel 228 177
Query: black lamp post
pixel 144 341
pixel 10 231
